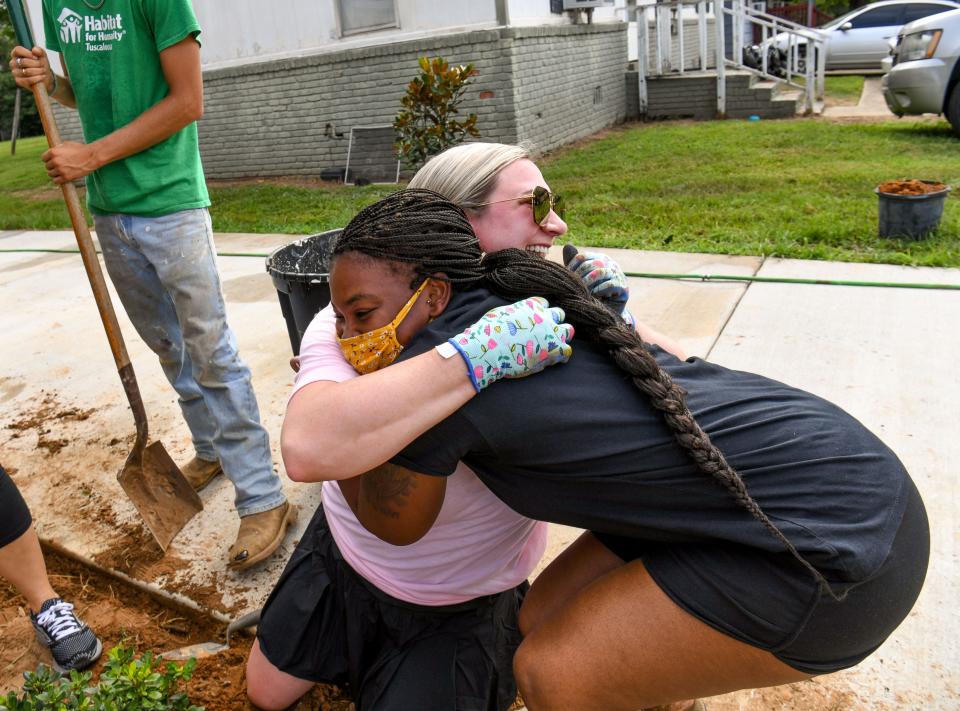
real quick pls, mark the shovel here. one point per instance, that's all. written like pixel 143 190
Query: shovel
pixel 208 649
pixel 150 478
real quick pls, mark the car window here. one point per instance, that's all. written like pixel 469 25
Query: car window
pixel 921 9
pixel 879 17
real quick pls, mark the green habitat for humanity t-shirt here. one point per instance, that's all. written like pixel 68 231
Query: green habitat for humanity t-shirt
pixel 112 54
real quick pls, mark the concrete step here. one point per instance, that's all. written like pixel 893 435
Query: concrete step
pixel 693 95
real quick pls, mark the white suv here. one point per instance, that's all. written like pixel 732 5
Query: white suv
pixel 924 74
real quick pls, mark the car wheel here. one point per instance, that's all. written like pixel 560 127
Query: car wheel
pixel 953 110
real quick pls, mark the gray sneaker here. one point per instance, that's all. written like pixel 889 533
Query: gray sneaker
pixel 71 642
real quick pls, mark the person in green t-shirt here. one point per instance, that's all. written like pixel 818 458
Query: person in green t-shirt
pixel 132 71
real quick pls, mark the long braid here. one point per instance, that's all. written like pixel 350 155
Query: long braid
pixel 420 228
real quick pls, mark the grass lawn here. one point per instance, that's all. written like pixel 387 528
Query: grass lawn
pixel 839 89
pixel 843 89
pixel 792 188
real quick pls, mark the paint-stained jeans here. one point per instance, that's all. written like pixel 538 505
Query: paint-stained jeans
pixel 165 272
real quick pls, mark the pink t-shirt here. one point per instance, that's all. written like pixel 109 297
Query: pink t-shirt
pixel 477 546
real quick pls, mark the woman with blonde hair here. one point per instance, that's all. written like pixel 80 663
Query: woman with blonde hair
pixel 433 625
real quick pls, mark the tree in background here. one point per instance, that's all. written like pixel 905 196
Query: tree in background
pixel 426 125
pixel 839 7
pixel 29 117
pixel 825 9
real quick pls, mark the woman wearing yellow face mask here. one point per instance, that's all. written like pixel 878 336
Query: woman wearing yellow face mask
pixel 372 350
pixel 433 624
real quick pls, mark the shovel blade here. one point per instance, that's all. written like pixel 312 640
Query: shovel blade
pixel 159 491
pixel 197 651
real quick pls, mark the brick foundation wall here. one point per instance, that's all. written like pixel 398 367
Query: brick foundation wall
pixel 283 117
pixel 567 81
pixel 68 122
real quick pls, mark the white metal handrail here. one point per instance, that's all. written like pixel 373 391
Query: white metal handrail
pixel 799 41
pixel 668 21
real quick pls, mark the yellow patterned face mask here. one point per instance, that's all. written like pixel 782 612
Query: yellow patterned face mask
pixel 378 348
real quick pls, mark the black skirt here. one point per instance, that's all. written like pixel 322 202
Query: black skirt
pixel 325 623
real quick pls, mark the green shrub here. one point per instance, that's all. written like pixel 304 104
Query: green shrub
pixel 125 683
pixel 426 125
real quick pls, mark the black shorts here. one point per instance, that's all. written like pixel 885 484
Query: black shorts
pixel 770 602
pixel 14 514
pixel 325 623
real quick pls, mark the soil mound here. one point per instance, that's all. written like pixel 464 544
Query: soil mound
pixel 910 187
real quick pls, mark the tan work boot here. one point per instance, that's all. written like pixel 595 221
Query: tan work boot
pixel 200 472
pixel 260 535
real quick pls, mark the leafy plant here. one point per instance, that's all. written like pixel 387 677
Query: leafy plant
pixel 427 123
pixel 125 683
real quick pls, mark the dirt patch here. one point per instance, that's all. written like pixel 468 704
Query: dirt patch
pixel 49 409
pixel 72 441
pixel 44 421
pixel 119 613
pixel 134 554
pixel 910 187
pixel 137 554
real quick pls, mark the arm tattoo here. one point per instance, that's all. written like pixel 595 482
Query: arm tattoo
pixel 387 488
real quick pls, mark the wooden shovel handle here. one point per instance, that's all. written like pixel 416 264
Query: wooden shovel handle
pixel 94 273
pixel 82 232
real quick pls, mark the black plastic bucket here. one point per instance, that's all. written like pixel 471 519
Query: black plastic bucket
pixel 301 275
pixel 910 216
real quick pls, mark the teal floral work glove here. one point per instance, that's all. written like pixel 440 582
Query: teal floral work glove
pixel 602 276
pixel 604 279
pixel 514 341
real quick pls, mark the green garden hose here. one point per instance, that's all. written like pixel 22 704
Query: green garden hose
pixel 646 275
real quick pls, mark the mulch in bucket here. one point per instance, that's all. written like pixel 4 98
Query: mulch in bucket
pixel 301 274
pixel 910 209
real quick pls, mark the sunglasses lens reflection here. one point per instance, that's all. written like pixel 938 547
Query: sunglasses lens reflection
pixel 543 201
pixel 559 206
pixel 541 208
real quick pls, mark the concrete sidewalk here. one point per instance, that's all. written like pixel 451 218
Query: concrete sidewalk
pixel 887 355
pixel 870 105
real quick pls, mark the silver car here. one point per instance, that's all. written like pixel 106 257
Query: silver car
pixel 861 38
pixel 924 74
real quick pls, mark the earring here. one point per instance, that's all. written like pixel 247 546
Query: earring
pixel 429 301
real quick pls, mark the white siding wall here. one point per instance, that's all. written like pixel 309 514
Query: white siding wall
pixel 537 12
pixel 238 30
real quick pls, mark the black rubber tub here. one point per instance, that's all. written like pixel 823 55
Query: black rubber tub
pixel 301 275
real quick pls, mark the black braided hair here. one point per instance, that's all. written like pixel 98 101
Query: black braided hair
pixel 419 228
pixel 422 229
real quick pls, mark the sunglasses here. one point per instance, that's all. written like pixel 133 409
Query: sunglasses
pixel 542 201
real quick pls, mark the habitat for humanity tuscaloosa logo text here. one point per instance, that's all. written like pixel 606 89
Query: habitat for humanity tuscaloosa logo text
pixel 98 33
